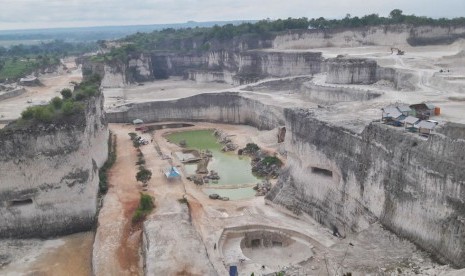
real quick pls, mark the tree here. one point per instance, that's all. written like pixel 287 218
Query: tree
pixel 396 15
pixel 66 93
pixel 57 102
pixel 143 175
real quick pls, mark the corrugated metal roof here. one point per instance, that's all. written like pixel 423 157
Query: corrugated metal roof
pixel 430 105
pixel 394 114
pixel 411 120
pixel 404 108
pixel 425 124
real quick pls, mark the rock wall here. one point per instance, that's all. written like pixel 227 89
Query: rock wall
pixel 351 71
pixel 12 93
pixel 228 107
pixel 394 35
pixel 49 175
pixel 346 181
pixel 219 66
pixel 365 71
pixel 331 95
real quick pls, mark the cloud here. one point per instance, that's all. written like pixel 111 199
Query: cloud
pixel 56 13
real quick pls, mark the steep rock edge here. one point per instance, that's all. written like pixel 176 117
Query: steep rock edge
pixel 413 187
pixel 389 35
pixel 49 176
pixel 348 180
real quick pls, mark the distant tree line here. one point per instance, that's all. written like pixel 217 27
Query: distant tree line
pixel 56 48
pixel 21 60
pixel 183 39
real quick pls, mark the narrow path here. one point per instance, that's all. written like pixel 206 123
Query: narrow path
pixel 117 242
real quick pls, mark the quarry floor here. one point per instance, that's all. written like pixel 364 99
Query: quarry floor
pixel 373 250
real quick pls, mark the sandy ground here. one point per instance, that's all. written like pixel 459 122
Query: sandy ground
pixel 173 88
pixel 69 255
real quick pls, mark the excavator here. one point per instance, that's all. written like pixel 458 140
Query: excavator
pixel 399 51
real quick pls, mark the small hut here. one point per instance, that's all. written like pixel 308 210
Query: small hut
pixel 425 127
pixel 172 172
pixel 410 121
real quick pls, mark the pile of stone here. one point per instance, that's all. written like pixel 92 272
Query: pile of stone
pixel 266 166
pixel 197 179
pixel 225 139
pixel 262 188
pixel 217 196
pixel 212 176
pixel 229 147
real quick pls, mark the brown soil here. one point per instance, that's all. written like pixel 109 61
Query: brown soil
pixel 115 220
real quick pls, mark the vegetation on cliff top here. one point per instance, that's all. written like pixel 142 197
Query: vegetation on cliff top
pixel 58 109
pixel 175 39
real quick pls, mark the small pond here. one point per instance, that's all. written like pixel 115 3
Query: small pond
pixel 233 170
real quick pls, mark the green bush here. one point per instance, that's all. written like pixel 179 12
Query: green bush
pixel 271 160
pixel 146 202
pixel 143 175
pixel 71 107
pixel 80 96
pixel 103 183
pixel 28 113
pixel 66 93
pixel 57 102
pixel 146 205
pixel 44 114
pixel 133 135
pixel 138 216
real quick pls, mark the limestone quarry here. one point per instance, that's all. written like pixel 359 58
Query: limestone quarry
pixel 359 191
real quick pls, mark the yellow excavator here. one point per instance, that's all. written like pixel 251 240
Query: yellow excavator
pixel 399 51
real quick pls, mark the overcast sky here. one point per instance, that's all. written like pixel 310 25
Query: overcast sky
pixel 21 14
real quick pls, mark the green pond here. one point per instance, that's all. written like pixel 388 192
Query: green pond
pixel 234 171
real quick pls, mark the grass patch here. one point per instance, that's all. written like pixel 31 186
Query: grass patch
pixel 103 172
pixel 146 206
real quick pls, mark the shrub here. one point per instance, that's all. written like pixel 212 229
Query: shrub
pixel 143 175
pixel 146 202
pixel 183 200
pixel 57 102
pixel 43 113
pixel 71 107
pixel 28 113
pixel 271 160
pixel 251 148
pixel 132 135
pixel 146 205
pixel 66 93
pixel 103 183
pixel 80 96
